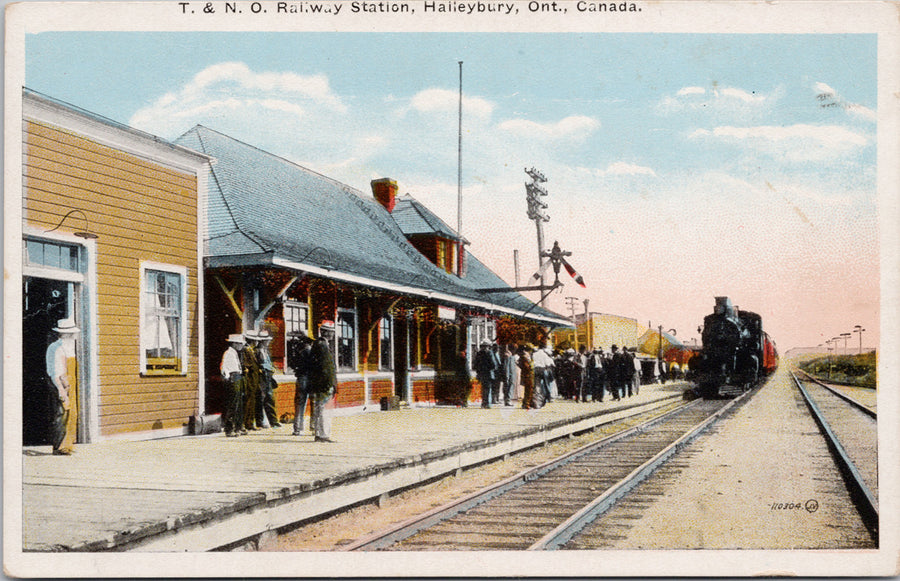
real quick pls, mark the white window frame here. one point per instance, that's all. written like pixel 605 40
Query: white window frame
pixel 182 272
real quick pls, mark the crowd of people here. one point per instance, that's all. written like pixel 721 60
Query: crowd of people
pixel 580 375
pixel 248 374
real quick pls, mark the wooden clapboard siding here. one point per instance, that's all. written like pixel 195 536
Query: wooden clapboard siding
pixel 84 148
pixel 158 384
pixel 103 196
pixel 143 212
pixel 125 218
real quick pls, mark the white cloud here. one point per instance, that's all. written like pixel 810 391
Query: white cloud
pixel 800 142
pixel 715 99
pixel 828 97
pixel 691 91
pixel 577 126
pixel 237 75
pixel 232 89
pixel 622 168
pixel 618 168
pixel 741 95
pixel 445 101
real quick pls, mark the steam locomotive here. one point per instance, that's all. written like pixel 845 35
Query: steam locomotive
pixel 736 354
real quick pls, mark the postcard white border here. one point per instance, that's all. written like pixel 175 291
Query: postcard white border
pixel 690 16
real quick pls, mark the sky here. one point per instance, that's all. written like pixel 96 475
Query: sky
pixel 680 167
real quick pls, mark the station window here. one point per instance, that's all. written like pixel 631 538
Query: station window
pixel 480 329
pixel 346 340
pixel 163 345
pixel 51 254
pixel 385 359
pixel 296 318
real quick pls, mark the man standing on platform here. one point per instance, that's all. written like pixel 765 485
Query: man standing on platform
pixel 486 368
pixel 298 359
pixel 636 373
pixel 252 372
pixel 62 369
pixel 528 376
pixel 508 372
pixel 498 378
pixel 266 416
pixel 462 378
pixel 233 376
pixel 322 380
pixel 543 370
pixel 618 368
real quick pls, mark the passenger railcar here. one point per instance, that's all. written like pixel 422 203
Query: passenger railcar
pixel 736 353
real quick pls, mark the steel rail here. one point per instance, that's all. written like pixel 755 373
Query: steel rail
pixel 409 527
pixel 864 409
pixel 860 493
pixel 563 533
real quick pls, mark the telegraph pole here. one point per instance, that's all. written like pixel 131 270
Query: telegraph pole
pixel 534 191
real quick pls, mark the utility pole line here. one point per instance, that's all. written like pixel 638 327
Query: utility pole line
pixel 533 191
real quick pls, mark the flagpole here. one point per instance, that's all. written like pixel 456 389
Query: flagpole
pixel 459 250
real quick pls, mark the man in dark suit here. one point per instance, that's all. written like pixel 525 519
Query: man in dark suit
pixel 486 367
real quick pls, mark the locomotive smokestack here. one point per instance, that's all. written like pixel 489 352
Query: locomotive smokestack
pixel 723 306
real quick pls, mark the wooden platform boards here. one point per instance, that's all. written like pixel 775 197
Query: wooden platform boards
pixel 199 493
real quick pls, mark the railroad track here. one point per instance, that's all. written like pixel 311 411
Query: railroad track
pixel 851 431
pixel 544 507
pixel 863 407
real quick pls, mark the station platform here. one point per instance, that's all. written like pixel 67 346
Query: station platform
pixel 201 493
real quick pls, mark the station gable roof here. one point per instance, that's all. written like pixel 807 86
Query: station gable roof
pixel 266 210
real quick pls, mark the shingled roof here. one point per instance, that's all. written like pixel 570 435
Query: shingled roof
pixel 414 218
pixel 264 210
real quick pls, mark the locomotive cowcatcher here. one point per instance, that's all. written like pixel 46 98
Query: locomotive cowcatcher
pixel 737 353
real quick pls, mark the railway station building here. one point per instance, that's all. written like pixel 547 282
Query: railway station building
pixel 287 248
pixel 159 250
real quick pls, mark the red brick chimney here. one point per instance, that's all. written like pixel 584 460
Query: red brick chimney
pixel 385 190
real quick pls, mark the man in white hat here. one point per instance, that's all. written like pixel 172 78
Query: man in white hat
pixel 322 379
pixel 62 369
pixel 233 376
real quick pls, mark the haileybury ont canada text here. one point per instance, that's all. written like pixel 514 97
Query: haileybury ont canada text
pixel 427 6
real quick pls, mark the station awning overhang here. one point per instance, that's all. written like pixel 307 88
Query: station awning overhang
pixel 269 259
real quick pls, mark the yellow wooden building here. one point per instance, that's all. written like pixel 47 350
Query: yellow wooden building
pixel 599 330
pixel 111 238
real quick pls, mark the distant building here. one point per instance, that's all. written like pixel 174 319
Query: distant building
pixel 600 330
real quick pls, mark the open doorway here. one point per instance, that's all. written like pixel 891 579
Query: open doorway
pixel 45 303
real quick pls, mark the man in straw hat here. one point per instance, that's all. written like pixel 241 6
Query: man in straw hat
pixel 322 380
pixel 62 369
pixel 233 376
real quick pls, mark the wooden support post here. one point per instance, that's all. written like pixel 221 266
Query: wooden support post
pixel 230 295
